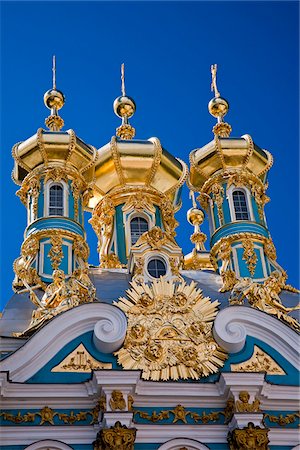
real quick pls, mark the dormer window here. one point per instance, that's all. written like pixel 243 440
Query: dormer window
pixel 138 226
pixel 240 205
pixel 156 267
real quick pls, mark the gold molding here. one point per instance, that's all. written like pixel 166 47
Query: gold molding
pixel 260 361
pixel 80 360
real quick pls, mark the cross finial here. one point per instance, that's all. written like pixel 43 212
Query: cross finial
pixel 123 79
pixel 213 69
pixel 54 72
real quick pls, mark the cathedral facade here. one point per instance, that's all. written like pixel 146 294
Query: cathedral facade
pixel 151 349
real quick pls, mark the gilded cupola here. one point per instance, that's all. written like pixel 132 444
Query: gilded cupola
pixel 230 175
pixel 134 179
pixel 55 169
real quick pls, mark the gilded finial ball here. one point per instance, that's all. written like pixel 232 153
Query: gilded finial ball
pixel 124 106
pixel 54 99
pixel 218 107
pixel 195 216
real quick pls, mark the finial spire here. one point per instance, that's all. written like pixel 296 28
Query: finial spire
pixel 54 72
pixel 123 79
pixel 213 69
pixel 54 100
pixel 218 106
pixel 124 107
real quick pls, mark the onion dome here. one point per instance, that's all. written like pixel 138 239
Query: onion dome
pixel 125 164
pixel 224 153
pixel 53 147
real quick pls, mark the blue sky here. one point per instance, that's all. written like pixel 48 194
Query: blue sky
pixel 167 48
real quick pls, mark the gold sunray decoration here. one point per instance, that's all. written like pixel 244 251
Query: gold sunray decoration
pixel 169 334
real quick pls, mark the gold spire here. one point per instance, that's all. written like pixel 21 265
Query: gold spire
pixel 124 107
pixel 54 100
pixel 218 106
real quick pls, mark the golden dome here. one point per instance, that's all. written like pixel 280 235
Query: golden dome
pixel 225 154
pixel 53 149
pixel 123 164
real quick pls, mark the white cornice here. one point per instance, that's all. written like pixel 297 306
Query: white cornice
pixel 110 322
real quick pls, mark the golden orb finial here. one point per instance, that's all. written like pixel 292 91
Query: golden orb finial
pixel 54 100
pixel 218 107
pixel 195 217
pixel 124 107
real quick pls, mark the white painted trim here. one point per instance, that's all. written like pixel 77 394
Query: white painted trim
pixel 213 223
pixel 233 325
pixel 176 444
pixel 245 190
pixel 61 330
pixel 28 435
pixel 156 255
pixel 65 197
pixel 145 434
pixel 49 445
pixel 128 216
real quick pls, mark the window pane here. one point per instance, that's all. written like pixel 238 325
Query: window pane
pixel 156 268
pixel 56 201
pixel 138 226
pixel 240 205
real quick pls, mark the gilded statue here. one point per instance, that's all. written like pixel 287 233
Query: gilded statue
pixel 265 297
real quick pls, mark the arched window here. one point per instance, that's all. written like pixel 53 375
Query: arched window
pixel 56 200
pixel 240 205
pixel 138 226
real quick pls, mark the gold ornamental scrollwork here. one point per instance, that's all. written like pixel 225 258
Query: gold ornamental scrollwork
pixel 56 253
pixel 249 255
pixel 169 333
pixel 117 437
pixel 117 401
pixel 260 361
pixel 180 414
pixel 283 420
pixel 249 438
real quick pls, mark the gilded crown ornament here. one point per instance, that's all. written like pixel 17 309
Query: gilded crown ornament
pixel 124 107
pixel 54 100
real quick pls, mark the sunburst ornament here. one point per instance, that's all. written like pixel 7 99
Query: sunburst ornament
pixel 169 334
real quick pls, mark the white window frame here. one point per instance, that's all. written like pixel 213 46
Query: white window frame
pixel 155 255
pixel 178 443
pixel 128 216
pixel 48 445
pixel 247 194
pixel 65 187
